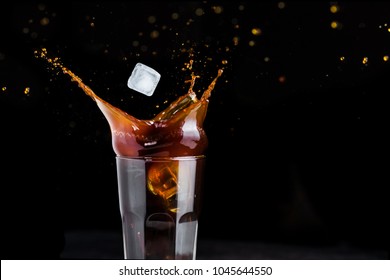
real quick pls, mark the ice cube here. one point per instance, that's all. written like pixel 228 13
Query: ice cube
pixel 143 79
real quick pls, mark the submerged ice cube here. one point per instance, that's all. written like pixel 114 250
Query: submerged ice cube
pixel 143 79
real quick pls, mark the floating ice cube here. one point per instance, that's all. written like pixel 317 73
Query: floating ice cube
pixel 143 79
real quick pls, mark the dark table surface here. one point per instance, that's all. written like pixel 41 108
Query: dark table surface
pixel 91 244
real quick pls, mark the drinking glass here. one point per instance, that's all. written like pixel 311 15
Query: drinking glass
pixel 159 199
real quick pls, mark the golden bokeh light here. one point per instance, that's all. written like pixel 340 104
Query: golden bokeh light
pixel 256 31
pixel 334 9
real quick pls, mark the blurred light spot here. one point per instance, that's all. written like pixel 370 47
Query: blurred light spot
pixel 135 43
pixel 224 62
pixel 25 30
pixel 282 79
pixel 45 21
pixel 241 7
pixel 199 12
pixel 334 9
pixel 281 5
pixel 342 58
pixel 386 58
pixel 336 25
pixel 72 124
pixel 154 34
pixel 41 7
pixel 362 25
pixel 26 90
pixel 217 9
pixel 365 60
pixel 175 16
pixel 4 88
pixel 251 43
pixel 267 59
pixel 235 41
pixel 144 48
pixel 92 24
pixel 189 21
pixel 256 31
pixel 151 19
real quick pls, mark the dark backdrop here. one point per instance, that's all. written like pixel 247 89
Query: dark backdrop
pixel 297 124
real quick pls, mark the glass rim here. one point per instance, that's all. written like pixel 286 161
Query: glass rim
pixel 151 158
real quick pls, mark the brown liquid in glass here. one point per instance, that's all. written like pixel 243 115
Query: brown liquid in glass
pixel 175 132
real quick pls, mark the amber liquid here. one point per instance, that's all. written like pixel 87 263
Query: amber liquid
pixel 177 131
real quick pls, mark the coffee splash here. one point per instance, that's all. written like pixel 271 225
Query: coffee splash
pixel 175 131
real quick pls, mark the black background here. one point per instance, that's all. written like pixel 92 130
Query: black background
pixel 297 136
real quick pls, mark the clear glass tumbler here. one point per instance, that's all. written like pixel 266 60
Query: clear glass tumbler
pixel 159 201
